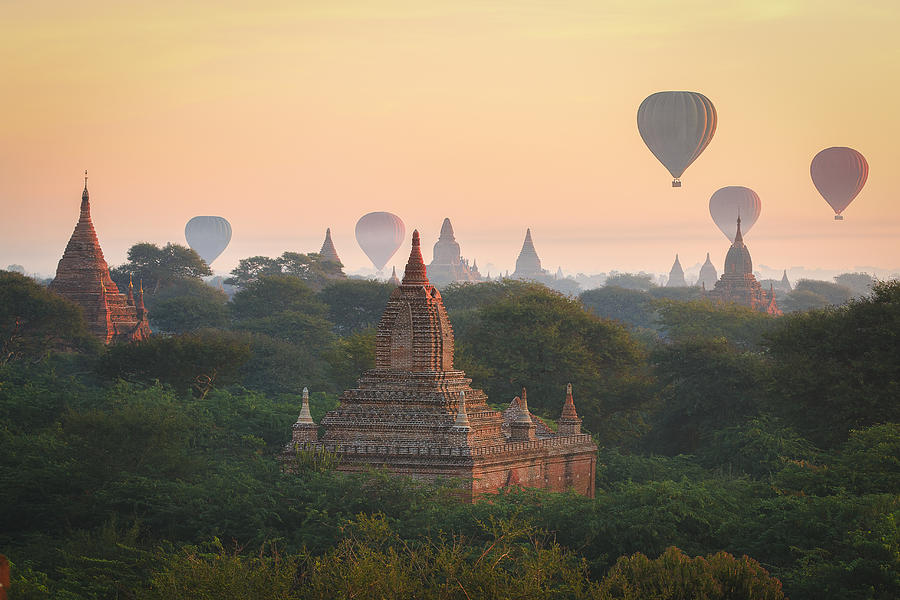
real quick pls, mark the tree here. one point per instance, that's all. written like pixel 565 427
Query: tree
pixel 541 340
pixel 284 307
pixel 631 281
pixel 459 297
pixel 740 325
pixel 355 304
pixel 858 283
pixel 34 321
pixel 310 268
pixel 839 369
pixel 676 576
pixel 188 305
pixel 198 361
pixel 629 306
pixel 157 268
pixel 812 293
pixel 706 384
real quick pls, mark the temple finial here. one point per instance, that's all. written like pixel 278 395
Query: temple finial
pixel 415 273
pixel 462 418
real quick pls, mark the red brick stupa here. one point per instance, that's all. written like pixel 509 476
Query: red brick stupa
pixel 82 276
pixel 738 284
pixel 414 414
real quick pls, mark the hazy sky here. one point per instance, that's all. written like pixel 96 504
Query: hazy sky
pixel 290 117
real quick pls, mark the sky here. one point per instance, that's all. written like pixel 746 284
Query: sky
pixel 292 116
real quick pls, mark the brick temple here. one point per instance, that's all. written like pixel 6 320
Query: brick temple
pixel 738 284
pixel 415 415
pixel 82 276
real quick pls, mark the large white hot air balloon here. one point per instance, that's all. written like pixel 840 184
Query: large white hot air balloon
pixel 380 234
pixel 208 236
pixel 677 127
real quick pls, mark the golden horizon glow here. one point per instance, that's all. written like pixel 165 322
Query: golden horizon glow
pixel 288 118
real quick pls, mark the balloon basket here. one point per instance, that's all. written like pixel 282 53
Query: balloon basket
pixel 676 183
pixel 838 217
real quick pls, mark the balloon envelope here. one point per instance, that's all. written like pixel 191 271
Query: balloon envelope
pixel 379 234
pixel 208 236
pixel 677 127
pixel 728 203
pixel 839 174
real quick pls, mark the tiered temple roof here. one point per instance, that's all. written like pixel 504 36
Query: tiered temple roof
pixel 676 275
pixel 528 264
pixel 738 284
pixel 415 414
pixel 447 265
pixel 82 276
pixel 328 252
pixel 708 275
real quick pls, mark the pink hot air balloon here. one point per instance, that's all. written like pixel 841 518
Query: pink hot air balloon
pixel 379 234
pixel 839 174
pixel 729 203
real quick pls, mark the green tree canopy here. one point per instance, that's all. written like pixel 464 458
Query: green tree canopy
pixel 188 305
pixel 629 306
pixel 838 369
pixel 740 325
pixel 310 268
pixel 541 340
pixel 34 321
pixel 858 283
pixel 198 361
pixel 631 281
pixel 157 268
pixel 812 293
pixel 355 304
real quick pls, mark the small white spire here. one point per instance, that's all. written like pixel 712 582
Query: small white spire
pixel 462 419
pixel 305 417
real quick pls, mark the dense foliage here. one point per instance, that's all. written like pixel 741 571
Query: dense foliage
pixel 739 454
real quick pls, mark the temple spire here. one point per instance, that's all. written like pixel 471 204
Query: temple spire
pixel 569 422
pixel 394 279
pixel 130 298
pixel 737 236
pixel 305 416
pixel 415 269
pixel 462 418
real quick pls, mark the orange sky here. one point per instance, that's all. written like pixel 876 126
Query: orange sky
pixel 290 117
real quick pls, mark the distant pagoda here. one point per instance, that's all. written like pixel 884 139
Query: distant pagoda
pixel 82 276
pixel 328 252
pixel 676 275
pixel 738 284
pixel 415 415
pixel 708 275
pixel 447 265
pixel 528 264
pixel 785 282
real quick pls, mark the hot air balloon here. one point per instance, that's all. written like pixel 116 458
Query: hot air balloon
pixel 839 174
pixel 208 236
pixel 729 203
pixel 677 127
pixel 379 234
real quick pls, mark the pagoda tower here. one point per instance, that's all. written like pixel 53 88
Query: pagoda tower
pixel 785 282
pixel 528 264
pixel 415 414
pixel 737 283
pixel 676 275
pixel 708 275
pixel 447 265
pixel 82 276
pixel 328 252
